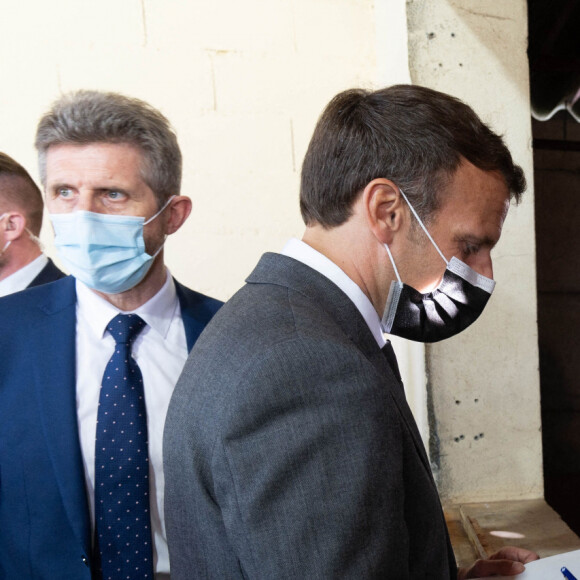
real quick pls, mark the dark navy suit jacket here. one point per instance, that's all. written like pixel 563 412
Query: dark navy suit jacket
pixel 44 517
pixel 50 273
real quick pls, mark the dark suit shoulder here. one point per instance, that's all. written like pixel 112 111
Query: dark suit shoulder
pixel 197 301
pixel 196 311
pixel 269 344
pixel 50 273
pixel 28 303
pixel 260 316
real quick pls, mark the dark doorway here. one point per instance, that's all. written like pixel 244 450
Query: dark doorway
pixel 557 213
pixel 554 52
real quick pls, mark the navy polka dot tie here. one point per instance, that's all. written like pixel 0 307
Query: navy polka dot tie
pixel 122 519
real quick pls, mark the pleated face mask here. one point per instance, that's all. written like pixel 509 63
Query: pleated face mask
pixel 442 313
pixel 105 252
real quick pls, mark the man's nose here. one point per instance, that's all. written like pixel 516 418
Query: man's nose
pixel 483 265
pixel 85 202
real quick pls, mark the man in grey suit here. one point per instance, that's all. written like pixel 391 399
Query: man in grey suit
pixel 290 451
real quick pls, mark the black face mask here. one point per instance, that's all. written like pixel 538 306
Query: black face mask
pixel 442 313
pixel 457 302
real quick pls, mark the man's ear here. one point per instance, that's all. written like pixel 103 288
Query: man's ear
pixel 14 225
pixel 385 209
pixel 178 210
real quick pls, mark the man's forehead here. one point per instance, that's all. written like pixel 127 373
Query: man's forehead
pixel 73 145
pixel 75 156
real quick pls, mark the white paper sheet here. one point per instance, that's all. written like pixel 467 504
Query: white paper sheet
pixel 548 568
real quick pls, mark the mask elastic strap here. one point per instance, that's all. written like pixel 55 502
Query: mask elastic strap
pixel 35 239
pixel 423 226
pixel 393 263
pixel 159 248
pixel 32 237
pixel 161 211
pixel 393 297
pixel 9 241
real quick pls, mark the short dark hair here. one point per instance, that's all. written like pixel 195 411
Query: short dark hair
pixel 412 135
pixel 84 117
pixel 19 192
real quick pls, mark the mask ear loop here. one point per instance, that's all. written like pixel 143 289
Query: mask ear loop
pixel 162 210
pixel 423 226
pixel 152 218
pixel 393 297
pixel 35 239
pixel 6 246
pixel 393 263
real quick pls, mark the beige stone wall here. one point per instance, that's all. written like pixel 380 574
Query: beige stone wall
pixel 242 82
pixel 484 384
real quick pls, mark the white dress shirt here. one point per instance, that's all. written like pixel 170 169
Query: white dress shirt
pixel 23 277
pixel 308 255
pixel 161 351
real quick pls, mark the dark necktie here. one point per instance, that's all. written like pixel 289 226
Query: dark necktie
pixel 392 360
pixel 122 520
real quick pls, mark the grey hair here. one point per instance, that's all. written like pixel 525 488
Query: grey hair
pixel 84 117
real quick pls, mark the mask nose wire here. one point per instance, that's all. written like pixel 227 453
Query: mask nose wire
pixel 423 227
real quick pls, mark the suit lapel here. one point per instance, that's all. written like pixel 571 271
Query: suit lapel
pixel 196 311
pixel 397 393
pixel 54 344
pixel 189 322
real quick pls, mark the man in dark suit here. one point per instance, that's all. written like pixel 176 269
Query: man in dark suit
pixel 22 263
pixel 88 363
pixel 290 451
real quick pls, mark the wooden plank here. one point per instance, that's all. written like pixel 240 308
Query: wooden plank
pixel 475 535
pixel 488 526
pixel 465 553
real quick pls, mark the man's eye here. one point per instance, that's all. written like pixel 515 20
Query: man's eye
pixel 64 192
pixel 470 249
pixel 115 195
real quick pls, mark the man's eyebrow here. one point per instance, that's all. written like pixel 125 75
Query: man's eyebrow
pixel 112 188
pixel 59 185
pixel 476 240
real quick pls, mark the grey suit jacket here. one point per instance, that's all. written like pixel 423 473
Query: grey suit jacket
pixel 290 451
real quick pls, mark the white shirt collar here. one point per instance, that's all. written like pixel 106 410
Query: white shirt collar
pixel 157 312
pixel 22 278
pixel 306 254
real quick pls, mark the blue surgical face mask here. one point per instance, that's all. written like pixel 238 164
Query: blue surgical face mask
pixel 456 302
pixel 105 252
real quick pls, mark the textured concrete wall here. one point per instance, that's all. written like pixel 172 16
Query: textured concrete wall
pixel 483 385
